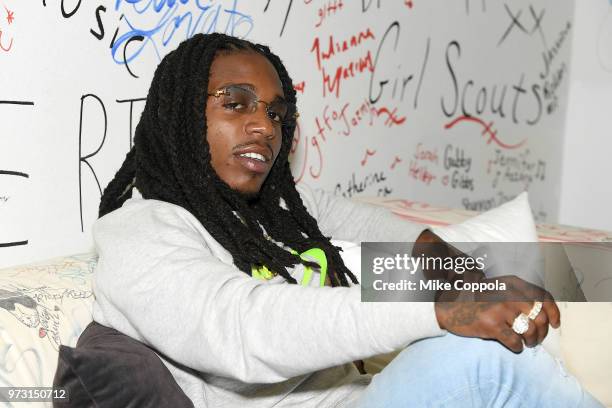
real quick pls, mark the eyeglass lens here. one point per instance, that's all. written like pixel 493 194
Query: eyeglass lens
pixel 243 100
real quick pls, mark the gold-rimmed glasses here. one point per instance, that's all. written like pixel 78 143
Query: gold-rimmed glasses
pixel 243 100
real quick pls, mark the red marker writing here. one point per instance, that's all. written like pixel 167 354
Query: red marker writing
pixel 368 153
pixel 487 131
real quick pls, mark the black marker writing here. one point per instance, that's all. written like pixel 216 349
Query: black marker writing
pixel 477 100
pixel 131 102
pixel 83 159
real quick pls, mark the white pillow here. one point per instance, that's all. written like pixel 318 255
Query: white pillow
pixel 510 222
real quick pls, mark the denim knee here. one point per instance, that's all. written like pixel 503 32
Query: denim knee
pixel 453 371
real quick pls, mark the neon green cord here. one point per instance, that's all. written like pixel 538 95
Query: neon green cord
pixel 262 272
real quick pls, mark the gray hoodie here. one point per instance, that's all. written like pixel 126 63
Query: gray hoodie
pixel 231 340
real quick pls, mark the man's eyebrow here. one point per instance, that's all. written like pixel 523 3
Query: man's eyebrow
pixel 248 86
pixel 253 89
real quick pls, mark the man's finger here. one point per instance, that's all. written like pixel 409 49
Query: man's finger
pixel 510 339
pixel 530 337
pixel 552 311
pixel 541 323
pixel 549 306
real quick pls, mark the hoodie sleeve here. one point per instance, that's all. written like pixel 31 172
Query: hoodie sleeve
pixel 159 281
pixel 353 221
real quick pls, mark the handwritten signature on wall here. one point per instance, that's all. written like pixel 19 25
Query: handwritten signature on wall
pixel 336 121
pixel 170 19
pixel 6 39
pixel 13 173
pixel 158 26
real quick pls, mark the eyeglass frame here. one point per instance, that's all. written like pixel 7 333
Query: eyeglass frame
pixel 224 91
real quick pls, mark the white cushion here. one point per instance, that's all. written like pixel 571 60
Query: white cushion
pixel 510 222
pixel 42 306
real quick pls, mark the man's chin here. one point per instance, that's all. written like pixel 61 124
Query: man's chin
pixel 249 196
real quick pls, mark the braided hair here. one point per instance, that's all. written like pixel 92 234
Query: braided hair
pixel 170 161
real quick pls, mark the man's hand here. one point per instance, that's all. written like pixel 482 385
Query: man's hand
pixel 491 319
pixel 490 314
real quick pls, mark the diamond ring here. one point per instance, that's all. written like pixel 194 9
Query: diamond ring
pixel 535 310
pixel 520 324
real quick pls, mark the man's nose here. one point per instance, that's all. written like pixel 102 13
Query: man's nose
pixel 258 122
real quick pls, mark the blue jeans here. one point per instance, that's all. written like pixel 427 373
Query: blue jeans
pixel 453 371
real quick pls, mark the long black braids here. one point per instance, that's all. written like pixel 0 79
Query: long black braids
pixel 170 161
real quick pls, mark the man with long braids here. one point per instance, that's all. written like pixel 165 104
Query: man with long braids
pixel 210 255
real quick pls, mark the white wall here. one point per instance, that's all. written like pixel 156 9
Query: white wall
pixel 586 189
pixel 415 111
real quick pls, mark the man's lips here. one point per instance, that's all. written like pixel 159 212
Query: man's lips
pixel 255 158
pixel 254 165
pixel 265 151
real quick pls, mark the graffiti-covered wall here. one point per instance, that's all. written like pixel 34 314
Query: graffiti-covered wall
pixel 456 103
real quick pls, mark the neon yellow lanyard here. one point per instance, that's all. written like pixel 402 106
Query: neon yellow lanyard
pixel 262 272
